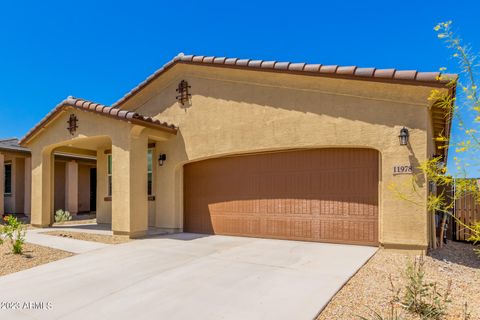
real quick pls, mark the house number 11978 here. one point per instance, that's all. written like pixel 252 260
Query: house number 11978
pixel 402 169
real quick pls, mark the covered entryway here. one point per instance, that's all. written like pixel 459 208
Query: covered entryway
pixel 326 195
pixel 116 141
pixel 73 186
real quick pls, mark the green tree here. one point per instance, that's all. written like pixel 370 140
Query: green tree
pixel 467 144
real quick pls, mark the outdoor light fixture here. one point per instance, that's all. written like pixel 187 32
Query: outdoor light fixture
pixel 161 158
pixel 403 137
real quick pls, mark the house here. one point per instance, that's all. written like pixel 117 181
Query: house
pixel 14 177
pixel 255 148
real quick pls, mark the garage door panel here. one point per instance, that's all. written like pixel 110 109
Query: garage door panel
pixel 328 195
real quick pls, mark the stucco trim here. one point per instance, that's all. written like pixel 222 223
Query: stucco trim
pixel 103 110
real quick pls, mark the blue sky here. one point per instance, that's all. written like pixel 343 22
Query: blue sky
pixel 99 50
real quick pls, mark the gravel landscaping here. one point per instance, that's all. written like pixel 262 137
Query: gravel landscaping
pixel 76 221
pixel 103 238
pixel 370 288
pixel 33 255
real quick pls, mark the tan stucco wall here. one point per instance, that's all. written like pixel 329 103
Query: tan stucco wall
pixel 237 111
pixel 104 208
pixel 59 187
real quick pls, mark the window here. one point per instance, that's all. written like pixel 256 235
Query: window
pixel 150 172
pixel 8 178
pixel 109 175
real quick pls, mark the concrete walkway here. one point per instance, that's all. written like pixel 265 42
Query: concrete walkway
pixel 35 236
pixel 186 276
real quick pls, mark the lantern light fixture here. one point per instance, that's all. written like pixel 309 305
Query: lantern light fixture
pixel 161 159
pixel 403 136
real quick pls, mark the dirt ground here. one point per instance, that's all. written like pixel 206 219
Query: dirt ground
pixel 33 255
pixel 370 288
pixel 108 239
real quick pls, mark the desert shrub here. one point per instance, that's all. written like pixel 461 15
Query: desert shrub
pixel 418 296
pixel 475 237
pixel 393 315
pixel 13 230
pixel 422 297
pixel 61 216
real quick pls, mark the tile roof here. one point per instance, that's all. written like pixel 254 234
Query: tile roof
pixel 349 72
pixel 100 109
pixel 13 145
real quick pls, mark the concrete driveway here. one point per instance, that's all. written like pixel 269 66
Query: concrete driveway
pixel 185 276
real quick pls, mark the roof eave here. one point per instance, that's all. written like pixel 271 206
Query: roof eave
pixel 407 77
pixel 79 104
pixel 13 150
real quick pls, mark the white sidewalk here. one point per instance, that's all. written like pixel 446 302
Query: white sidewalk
pixel 35 236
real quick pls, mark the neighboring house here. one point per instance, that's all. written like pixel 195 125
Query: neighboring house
pixel 15 180
pixel 74 187
pixel 254 148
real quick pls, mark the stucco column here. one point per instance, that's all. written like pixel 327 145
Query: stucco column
pixel 42 189
pixel 27 186
pixel 129 185
pixel 71 187
pixel 2 183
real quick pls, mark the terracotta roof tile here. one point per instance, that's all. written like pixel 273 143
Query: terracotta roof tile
pixel 242 62
pixel 208 59
pixel 364 72
pixel 219 60
pixel 268 64
pixel 197 59
pixel 328 69
pixel 231 61
pixel 296 66
pixel 100 109
pixel 185 57
pixel 312 67
pixel 405 75
pixel 282 65
pixel 427 76
pixel 384 73
pixel 255 63
pixel 352 72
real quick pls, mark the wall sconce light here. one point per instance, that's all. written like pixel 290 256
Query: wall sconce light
pixel 161 159
pixel 403 137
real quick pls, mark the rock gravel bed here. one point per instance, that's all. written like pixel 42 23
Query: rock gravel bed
pixel 370 288
pixel 33 255
pixel 103 238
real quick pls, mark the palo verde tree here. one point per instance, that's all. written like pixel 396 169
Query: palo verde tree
pixel 465 110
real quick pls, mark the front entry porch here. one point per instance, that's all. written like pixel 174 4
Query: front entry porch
pixel 75 184
pixel 119 150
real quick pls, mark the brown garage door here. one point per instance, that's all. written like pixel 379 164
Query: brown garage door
pixel 327 195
